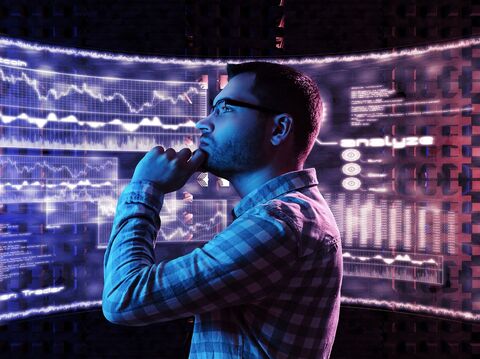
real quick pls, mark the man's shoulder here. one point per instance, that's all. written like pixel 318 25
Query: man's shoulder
pixel 295 206
pixel 309 216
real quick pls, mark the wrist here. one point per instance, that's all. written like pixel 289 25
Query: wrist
pixel 144 191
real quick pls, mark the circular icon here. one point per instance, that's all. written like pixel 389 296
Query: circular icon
pixel 351 183
pixel 351 155
pixel 351 169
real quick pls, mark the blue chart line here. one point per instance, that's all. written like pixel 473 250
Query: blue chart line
pixel 54 110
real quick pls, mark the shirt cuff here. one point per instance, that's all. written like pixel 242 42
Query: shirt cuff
pixel 145 192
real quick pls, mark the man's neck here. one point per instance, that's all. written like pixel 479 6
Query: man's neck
pixel 244 183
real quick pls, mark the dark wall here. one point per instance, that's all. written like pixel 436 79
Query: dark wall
pixel 238 28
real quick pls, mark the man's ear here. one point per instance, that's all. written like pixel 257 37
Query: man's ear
pixel 282 127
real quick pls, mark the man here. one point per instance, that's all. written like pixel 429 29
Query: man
pixel 268 286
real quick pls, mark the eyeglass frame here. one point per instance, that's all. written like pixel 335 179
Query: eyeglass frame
pixel 231 101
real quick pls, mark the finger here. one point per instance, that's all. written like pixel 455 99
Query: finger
pixel 170 153
pixel 197 159
pixel 157 149
pixel 154 151
pixel 184 154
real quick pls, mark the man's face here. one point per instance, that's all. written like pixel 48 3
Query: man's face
pixel 234 137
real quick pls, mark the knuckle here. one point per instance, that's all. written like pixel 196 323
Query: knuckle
pixel 170 152
pixel 185 154
pixel 154 151
pixel 157 149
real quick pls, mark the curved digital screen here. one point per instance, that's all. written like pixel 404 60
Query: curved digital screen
pixel 396 159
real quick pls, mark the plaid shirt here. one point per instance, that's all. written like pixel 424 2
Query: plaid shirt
pixel 268 286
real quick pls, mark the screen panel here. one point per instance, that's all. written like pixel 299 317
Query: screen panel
pixel 395 158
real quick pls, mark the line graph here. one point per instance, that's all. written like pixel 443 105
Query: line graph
pixel 53 110
pixel 54 88
pixel 29 167
pixel 199 220
pixel 56 191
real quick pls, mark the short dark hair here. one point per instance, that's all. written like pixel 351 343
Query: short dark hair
pixel 288 90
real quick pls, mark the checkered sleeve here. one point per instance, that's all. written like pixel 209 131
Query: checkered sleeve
pixel 240 265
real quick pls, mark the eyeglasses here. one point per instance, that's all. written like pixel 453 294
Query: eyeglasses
pixel 222 106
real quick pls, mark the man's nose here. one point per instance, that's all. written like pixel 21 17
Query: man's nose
pixel 204 125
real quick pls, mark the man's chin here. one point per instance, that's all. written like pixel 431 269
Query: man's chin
pixel 214 171
pixel 205 168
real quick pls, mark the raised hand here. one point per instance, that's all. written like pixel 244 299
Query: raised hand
pixel 167 168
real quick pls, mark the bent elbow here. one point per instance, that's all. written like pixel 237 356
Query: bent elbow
pixel 111 314
pixel 116 316
pixel 116 304
pixel 116 311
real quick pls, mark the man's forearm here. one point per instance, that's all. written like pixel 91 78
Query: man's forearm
pixel 130 247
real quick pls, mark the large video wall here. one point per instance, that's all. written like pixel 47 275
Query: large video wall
pixel 396 160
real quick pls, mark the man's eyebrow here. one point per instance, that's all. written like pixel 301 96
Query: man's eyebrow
pixel 220 100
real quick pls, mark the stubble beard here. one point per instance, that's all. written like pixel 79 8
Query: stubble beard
pixel 235 156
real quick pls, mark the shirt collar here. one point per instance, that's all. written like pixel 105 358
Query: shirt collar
pixel 276 187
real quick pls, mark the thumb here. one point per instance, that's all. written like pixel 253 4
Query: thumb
pixel 197 159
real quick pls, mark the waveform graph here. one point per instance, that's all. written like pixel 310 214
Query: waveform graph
pixel 402 266
pixel 33 179
pixel 52 110
pixel 81 190
pixel 192 220
pixel 25 167
pixel 134 138
pixel 18 191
